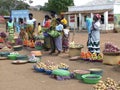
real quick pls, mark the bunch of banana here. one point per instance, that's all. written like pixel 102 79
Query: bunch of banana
pixel 49 63
pixel 63 66
pixel 94 56
pixel 41 65
pixel 51 67
pixel 100 57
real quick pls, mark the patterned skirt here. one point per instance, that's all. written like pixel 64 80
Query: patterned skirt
pixel 94 42
pixel 29 30
pixel 11 35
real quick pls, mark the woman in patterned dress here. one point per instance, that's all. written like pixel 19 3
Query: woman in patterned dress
pixel 94 36
pixel 10 29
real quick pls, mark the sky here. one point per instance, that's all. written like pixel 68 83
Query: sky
pixel 41 2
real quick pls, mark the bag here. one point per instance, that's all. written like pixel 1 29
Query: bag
pixel 54 33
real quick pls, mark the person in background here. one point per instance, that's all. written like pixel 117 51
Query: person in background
pixel 23 34
pixel 94 36
pixel 52 27
pixel 47 45
pixel 89 23
pixel 31 25
pixel 16 23
pixel 39 29
pixel 58 40
pixel 65 41
pixel 11 30
pixel 63 21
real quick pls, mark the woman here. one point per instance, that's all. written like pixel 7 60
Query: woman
pixel 11 30
pixel 52 27
pixel 31 24
pixel 46 36
pixel 94 36
pixel 58 40
pixel 63 21
pixel 22 34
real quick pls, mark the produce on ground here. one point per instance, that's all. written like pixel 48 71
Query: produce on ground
pixel 111 48
pixel 74 45
pixel 63 66
pixel 108 84
pixel 91 56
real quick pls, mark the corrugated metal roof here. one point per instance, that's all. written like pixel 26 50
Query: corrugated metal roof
pixel 102 2
pixel 88 11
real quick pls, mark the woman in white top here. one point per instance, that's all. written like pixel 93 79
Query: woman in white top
pixel 94 36
pixel 31 24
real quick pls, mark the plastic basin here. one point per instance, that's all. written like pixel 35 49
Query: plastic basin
pixel 12 57
pixel 21 57
pixel 4 54
pixel 48 72
pixel 96 71
pixel 17 48
pixel 38 69
pixel 91 78
pixel 78 73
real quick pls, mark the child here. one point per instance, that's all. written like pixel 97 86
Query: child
pixel 23 35
pixel 65 42
pixel 39 29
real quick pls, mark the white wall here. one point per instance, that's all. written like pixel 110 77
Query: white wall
pixel 116 9
pixel 72 24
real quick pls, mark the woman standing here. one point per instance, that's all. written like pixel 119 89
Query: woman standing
pixel 46 36
pixel 11 30
pixel 94 35
pixel 52 27
pixel 31 24
pixel 58 40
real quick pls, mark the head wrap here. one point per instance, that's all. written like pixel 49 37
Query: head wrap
pixel 98 16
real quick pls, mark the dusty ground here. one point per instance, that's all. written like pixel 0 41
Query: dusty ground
pixel 23 77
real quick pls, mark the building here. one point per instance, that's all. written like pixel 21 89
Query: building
pixel 109 10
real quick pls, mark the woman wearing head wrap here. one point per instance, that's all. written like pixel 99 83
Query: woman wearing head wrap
pixel 47 22
pixel 63 21
pixel 52 27
pixel 94 36
pixel 58 40
pixel 10 29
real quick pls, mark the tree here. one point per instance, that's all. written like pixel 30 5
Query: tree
pixel 57 5
pixel 7 5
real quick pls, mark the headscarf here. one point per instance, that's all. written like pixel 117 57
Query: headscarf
pixel 98 16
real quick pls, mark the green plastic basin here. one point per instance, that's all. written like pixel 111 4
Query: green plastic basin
pixel 91 78
pixel 12 57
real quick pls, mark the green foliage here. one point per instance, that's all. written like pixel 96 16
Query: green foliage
pixel 7 5
pixel 57 5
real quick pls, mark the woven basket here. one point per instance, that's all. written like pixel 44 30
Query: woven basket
pixel 111 53
pixel 74 52
pixel 111 60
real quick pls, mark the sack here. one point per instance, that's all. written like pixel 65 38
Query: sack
pixel 54 33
